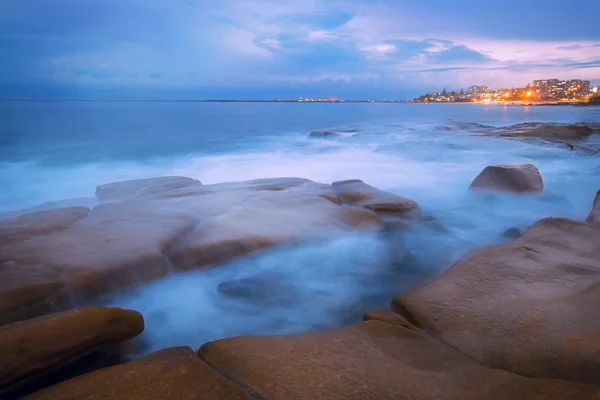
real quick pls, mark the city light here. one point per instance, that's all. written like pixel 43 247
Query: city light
pixel 541 91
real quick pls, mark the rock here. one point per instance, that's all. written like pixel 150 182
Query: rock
pixel 580 136
pixel 140 187
pixel 373 360
pixel 51 266
pixel 393 209
pixel 550 131
pixel 80 202
pixel 32 349
pixel 323 134
pixel 118 246
pixel 512 233
pixel 174 373
pixel 434 224
pixel 529 306
pixel 388 316
pixel 523 178
pixel 328 133
pixel 25 227
pixel 263 289
pixel 594 217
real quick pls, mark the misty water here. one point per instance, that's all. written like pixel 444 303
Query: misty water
pixel 63 150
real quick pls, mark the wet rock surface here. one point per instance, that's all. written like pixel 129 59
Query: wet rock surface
pixel 52 259
pixel 33 349
pixel 529 307
pixel 520 179
pixel 174 373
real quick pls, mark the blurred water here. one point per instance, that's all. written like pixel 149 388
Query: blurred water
pixel 52 151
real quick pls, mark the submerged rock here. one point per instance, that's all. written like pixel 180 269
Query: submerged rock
pixel 594 217
pixel 32 349
pixel 523 178
pixel 373 360
pixel 433 223
pixel 529 306
pixel 328 133
pixel 512 233
pixel 262 289
pixel 393 209
pixel 57 259
pixel 175 373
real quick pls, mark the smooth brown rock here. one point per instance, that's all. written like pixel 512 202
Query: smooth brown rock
pixel 373 360
pixel 523 178
pixel 594 217
pixel 48 267
pixel 174 373
pixel 142 187
pixel 119 245
pixel 530 306
pixel 393 209
pixel 31 349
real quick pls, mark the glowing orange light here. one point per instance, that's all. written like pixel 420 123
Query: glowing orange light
pixel 506 94
pixel 528 94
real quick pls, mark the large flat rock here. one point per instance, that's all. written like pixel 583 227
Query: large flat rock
pixel 32 349
pixel 175 373
pixel 373 360
pixel 28 226
pixel 530 306
pixel 53 259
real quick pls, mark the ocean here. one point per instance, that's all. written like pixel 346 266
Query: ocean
pixel 51 151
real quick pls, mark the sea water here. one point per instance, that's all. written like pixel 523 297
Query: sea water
pixel 51 151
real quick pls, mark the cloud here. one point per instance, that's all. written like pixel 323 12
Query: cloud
pixel 197 43
pixel 379 51
pixel 244 42
pixel 570 47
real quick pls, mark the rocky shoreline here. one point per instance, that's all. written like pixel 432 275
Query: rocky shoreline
pixel 583 137
pixel 514 321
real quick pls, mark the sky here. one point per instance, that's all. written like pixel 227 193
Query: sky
pixel 266 49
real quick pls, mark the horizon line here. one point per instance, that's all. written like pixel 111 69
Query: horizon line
pixel 197 100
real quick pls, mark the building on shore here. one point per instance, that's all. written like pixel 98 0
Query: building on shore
pixel 478 89
pixel 547 90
